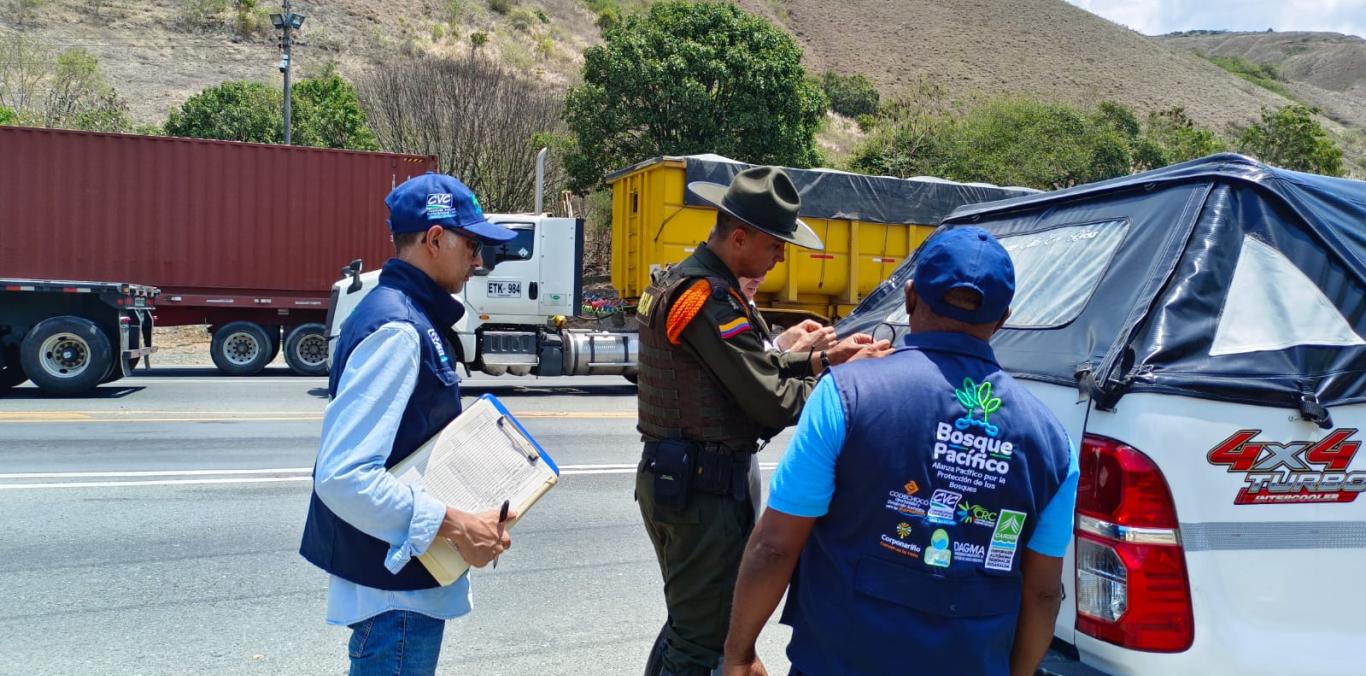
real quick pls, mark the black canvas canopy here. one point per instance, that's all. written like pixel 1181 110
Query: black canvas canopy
pixel 1219 278
pixel 827 193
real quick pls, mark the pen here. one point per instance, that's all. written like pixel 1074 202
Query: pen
pixel 502 516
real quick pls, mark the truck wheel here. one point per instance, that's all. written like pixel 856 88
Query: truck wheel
pixel 240 348
pixel 306 350
pixel 66 355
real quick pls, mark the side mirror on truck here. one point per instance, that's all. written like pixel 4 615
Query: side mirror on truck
pixel 353 270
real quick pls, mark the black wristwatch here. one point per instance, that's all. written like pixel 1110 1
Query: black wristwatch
pixel 825 362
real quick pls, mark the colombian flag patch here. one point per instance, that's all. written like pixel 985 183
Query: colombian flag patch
pixel 735 327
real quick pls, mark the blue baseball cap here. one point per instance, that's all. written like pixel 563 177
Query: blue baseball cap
pixel 437 199
pixel 965 258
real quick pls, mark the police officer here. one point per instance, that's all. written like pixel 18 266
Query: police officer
pixel 709 393
pixel 939 550
pixel 393 386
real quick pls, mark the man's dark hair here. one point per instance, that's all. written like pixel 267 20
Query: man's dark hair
pixel 725 224
pixel 403 240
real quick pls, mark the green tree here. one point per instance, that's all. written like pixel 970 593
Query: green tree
pixel 1007 141
pixel 8 116
pixel 692 78
pixel 231 111
pixel 1292 138
pixel 850 95
pixel 326 114
pixel 1170 137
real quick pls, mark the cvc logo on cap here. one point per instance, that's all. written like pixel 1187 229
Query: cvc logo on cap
pixel 439 206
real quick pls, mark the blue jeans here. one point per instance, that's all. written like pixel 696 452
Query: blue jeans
pixel 395 643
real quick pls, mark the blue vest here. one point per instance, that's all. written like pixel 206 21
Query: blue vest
pixel 946 465
pixel 405 294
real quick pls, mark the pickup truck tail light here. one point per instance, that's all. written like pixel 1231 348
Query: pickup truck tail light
pixel 1132 586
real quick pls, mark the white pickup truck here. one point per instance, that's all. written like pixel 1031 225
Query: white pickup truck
pixel 1199 330
pixel 511 304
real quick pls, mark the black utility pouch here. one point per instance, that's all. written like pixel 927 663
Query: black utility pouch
pixel 673 467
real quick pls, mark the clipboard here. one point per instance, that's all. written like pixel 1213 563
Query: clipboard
pixel 480 459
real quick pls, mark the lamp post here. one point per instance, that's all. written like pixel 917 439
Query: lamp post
pixel 285 23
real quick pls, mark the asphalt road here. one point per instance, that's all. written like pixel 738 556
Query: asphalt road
pixel 153 528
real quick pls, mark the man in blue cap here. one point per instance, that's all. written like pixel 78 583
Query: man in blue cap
pixel 393 385
pixel 925 501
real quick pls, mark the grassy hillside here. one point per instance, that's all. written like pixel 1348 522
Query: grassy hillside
pixel 158 54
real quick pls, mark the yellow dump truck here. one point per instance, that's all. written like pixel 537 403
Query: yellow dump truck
pixel 868 224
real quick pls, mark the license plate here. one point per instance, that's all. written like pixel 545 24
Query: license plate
pixel 505 289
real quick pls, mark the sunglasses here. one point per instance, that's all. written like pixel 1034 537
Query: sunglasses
pixel 476 245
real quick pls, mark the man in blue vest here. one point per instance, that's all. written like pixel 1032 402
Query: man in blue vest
pixel 393 385
pixel 925 501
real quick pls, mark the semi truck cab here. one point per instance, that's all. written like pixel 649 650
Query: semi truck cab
pixel 516 306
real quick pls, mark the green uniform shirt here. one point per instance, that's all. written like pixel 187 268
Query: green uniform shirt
pixel 769 386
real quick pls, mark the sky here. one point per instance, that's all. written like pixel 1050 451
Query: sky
pixel 1154 17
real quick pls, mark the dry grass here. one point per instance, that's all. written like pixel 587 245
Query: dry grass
pixel 1327 70
pixel 1045 48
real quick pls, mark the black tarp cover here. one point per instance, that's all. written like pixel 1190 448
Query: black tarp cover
pixel 1150 321
pixel 828 193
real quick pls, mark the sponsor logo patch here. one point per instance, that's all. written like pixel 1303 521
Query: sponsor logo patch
pixel 1005 540
pixel 440 206
pixel 942 504
pixel 938 554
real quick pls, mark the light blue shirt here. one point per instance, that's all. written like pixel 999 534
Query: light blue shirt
pixel 804 481
pixel 359 427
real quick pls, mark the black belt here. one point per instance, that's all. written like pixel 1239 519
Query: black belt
pixel 718 469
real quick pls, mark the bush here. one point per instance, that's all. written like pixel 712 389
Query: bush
pixel 501 6
pixel 522 18
pixel 850 96
pixel 545 47
pixel 1292 138
pixel 325 114
pixel 477 40
pixel 692 78
pixel 540 14
pixel 67 90
pixel 1007 141
pixel 8 116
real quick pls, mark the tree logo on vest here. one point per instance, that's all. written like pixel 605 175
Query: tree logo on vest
pixel 977 399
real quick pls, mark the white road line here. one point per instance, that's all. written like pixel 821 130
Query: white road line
pixel 237 476
pixel 183 472
pixel 170 482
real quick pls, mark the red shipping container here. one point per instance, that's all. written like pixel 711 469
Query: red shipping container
pixel 226 230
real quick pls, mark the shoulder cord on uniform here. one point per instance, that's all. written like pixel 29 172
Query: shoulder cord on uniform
pixel 687 306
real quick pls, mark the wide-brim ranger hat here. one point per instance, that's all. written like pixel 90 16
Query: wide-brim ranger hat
pixel 438 199
pixel 766 200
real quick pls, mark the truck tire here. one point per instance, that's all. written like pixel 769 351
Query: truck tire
pixel 240 348
pixel 66 355
pixel 306 350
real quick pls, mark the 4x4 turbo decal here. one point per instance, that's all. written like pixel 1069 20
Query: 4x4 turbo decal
pixel 1294 472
